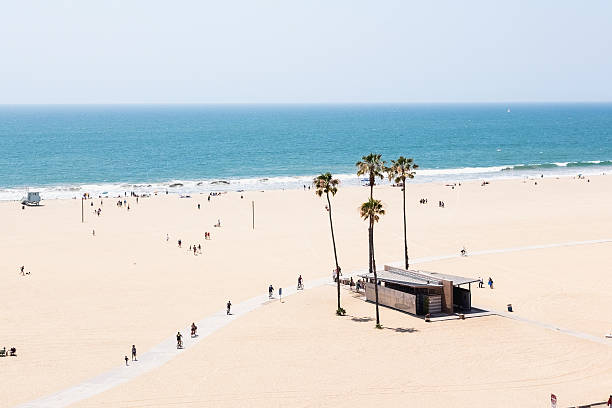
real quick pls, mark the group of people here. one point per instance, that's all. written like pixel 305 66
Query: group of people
pixel 12 352
pixel 196 249
pixel 489 282
pixel 133 355
pixel 179 336
pixel 424 201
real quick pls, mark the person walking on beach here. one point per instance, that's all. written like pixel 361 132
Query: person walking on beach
pixel 490 283
pixel 126 361
pixel 179 340
pixel 229 306
pixel 179 243
pixel 270 292
pixel 134 353
pixel 22 270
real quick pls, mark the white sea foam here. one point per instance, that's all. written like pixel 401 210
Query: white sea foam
pixel 185 187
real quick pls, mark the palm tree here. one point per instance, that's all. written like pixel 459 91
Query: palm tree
pixel 373 166
pixel 326 184
pixel 371 210
pixel 400 170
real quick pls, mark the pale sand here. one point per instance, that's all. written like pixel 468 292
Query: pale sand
pixel 89 298
pixel 298 354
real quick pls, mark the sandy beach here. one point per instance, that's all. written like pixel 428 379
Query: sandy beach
pixel 89 297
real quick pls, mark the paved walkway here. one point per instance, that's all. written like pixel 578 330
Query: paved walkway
pixel 166 350
pixel 580 335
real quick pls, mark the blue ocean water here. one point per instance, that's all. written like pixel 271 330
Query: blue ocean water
pixel 67 148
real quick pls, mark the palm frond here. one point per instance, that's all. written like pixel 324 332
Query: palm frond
pixel 325 184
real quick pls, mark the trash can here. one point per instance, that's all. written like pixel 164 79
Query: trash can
pixel 509 307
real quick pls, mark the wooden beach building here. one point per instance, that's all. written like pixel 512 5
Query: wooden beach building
pixel 420 292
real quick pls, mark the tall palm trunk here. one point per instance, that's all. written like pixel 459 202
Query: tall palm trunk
pixel 371 233
pixel 331 225
pixel 371 185
pixel 405 239
pixel 370 238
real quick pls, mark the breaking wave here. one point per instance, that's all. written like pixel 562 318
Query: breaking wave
pixel 187 187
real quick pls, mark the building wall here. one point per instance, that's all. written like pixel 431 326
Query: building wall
pixel 392 298
pixel 447 297
pixel 435 303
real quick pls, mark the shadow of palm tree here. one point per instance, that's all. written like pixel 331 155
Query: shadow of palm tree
pixel 361 319
pixel 402 329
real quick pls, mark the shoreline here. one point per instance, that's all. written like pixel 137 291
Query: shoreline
pixel 188 187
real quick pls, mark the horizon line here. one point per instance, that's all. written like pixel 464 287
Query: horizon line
pixel 520 102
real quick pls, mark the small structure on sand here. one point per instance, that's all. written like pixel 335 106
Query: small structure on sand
pixel 420 292
pixel 32 198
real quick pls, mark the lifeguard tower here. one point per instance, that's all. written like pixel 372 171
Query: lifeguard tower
pixel 32 198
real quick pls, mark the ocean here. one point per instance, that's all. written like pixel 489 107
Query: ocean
pixel 64 151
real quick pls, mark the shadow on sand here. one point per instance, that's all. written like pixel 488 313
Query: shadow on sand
pixel 402 329
pixel 361 319
pixel 395 329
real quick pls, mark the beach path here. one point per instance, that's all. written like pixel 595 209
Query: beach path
pixel 166 350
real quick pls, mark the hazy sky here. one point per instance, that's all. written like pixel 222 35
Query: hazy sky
pixel 256 51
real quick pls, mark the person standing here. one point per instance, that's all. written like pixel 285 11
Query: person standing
pixel 134 353
pixel 229 306
pixel 270 292
pixel 126 361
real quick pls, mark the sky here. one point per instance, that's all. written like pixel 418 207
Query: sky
pixel 309 51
